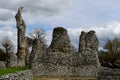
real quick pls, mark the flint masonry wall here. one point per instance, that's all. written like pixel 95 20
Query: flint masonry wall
pixel 60 61
pixel 109 74
pixel 60 41
pixel 21 29
pixel 88 47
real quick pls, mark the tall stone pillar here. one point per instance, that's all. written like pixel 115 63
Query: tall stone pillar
pixel 21 28
pixel 88 47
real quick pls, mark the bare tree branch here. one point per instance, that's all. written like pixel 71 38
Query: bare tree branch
pixel 38 33
pixel 7 45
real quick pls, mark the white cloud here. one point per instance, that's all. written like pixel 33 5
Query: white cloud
pixel 33 10
pixel 5 14
pixel 81 13
pixel 103 32
pixel 49 37
pixel 8 23
pixel 39 7
pixel 10 32
pixel 45 7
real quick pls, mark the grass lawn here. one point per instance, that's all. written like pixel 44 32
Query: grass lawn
pixel 11 70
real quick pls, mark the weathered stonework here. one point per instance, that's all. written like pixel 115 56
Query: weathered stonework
pixel 88 47
pixel 60 41
pixel 56 63
pixel 88 41
pixel 38 50
pixel 109 74
pixel 21 27
pixel 11 60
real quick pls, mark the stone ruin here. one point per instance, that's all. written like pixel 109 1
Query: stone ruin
pixel 60 41
pixel 21 27
pixel 54 61
pixel 59 60
pixel 88 47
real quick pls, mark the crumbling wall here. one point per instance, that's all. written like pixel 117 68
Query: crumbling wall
pixel 56 63
pixel 38 49
pixel 60 41
pixel 88 48
pixel 11 60
pixel 109 74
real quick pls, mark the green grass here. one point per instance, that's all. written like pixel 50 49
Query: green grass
pixel 12 70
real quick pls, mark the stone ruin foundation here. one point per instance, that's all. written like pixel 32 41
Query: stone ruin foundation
pixel 61 62
pixel 54 62
pixel 58 60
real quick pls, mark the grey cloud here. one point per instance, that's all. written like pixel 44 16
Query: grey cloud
pixel 104 32
pixel 45 7
pixel 5 15
pixel 41 7
pixel 10 32
pixel 33 7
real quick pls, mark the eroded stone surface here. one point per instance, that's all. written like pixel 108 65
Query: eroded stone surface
pixel 60 41
pixel 55 63
pixel 38 50
pixel 88 47
pixel 109 74
pixel 11 60
pixel 21 27
pixel 88 41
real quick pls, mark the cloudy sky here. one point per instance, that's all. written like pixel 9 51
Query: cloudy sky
pixel 103 16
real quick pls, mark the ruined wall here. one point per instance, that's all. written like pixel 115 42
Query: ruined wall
pixel 38 50
pixel 60 41
pixel 109 74
pixel 11 60
pixel 56 63
pixel 88 48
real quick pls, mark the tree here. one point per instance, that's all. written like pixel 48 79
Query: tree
pixel 113 46
pixel 38 33
pixel 7 45
pixel 112 55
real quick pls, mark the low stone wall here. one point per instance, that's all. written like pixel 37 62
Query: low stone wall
pixel 109 74
pixel 22 75
pixel 57 64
